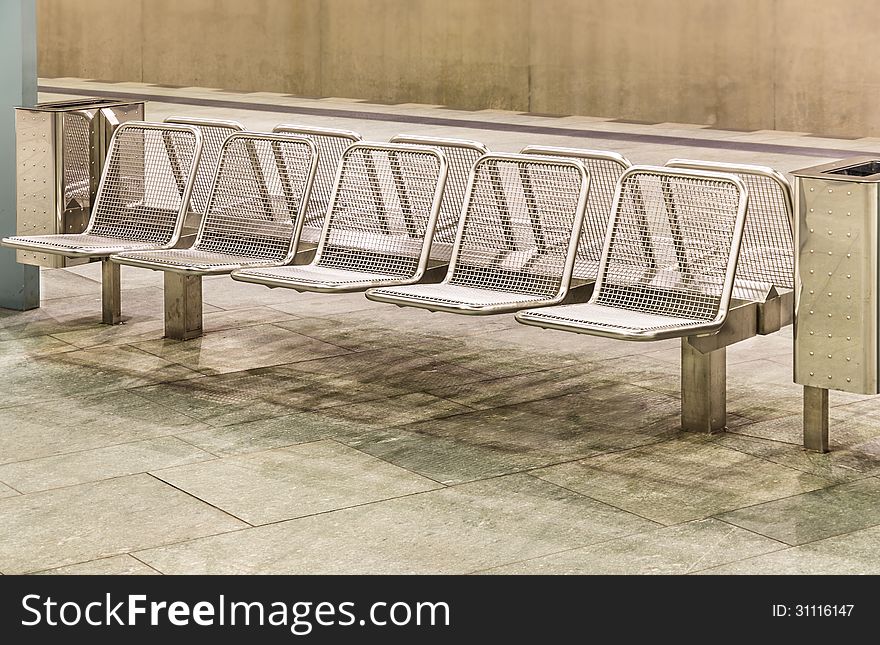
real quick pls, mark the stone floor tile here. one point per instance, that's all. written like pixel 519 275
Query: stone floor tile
pixel 85 422
pixel 679 549
pixel 340 421
pixel 677 481
pixel 454 530
pixel 814 515
pixel 79 523
pixel 239 349
pixel 116 565
pixel 293 482
pixel 850 554
pixel 99 463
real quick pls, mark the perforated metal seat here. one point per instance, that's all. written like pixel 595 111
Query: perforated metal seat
pixel 262 184
pixel 605 169
pixel 516 239
pixel 461 155
pixel 214 133
pixel 330 143
pixel 766 257
pixel 139 204
pixel 669 261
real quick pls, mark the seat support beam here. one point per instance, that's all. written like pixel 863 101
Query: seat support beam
pixel 183 306
pixel 111 293
pixel 703 389
pixel 815 419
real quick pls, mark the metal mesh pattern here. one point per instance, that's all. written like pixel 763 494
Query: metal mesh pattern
pixel 767 252
pixel 262 183
pixel 670 244
pixel 139 197
pixel 330 145
pixel 76 146
pixel 461 155
pixel 79 242
pixel 518 226
pixel 605 169
pixel 214 133
pixel 371 228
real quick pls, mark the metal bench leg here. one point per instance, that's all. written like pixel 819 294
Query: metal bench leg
pixel 183 306
pixel 815 418
pixel 703 389
pixel 111 293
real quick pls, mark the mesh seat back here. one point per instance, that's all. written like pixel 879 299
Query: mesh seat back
pixel 214 133
pixel 262 184
pixel 370 228
pixel 139 197
pixel 672 243
pixel 767 252
pixel 605 169
pixel 461 155
pixel 330 143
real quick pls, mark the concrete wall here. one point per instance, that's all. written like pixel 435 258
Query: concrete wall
pixel 798 65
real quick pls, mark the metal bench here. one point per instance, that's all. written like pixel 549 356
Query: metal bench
pixel 214 133
pixel 668 271
pixel 330 143
pixel 516 241
pixel 252 219
pixel 375 232
pixel 461 155
pixel 140 204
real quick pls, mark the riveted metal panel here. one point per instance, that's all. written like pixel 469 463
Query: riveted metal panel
pixel 836 321
pixel 39 211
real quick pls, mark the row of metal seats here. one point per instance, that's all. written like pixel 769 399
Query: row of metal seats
pixel 574 240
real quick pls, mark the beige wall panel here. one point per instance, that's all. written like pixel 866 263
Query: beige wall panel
pixel 270 45
pixel 89 39
pixel 696 61
pixel 456 52
pixel 828 81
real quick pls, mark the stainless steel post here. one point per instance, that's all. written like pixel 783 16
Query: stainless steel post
pixel 183 305
pixel 111 293
pixel 815 418
pixel 703 389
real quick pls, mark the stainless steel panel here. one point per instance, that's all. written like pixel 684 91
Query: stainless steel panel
pixel 63 144
pixel 836 319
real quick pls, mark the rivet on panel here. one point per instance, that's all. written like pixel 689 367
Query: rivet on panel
pixel 811 373
pixel 830 377
pixel 848 380
pixel 812 189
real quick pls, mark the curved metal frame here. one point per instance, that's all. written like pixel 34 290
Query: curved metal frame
pixel 297 224
pixel 265 278
pixel 184 202
pixel 401 299
pixel 539 317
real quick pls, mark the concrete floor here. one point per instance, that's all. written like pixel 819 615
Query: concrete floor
pixel 308 433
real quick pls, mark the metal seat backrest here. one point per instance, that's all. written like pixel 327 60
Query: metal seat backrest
pixel 519 227
pixel 214 133
pixel 369 226
pixel 461 154
pixel 331 143
pixel 139 197
pixel 262 183
pixel 672 243
pixel 605 169
pixel 767 253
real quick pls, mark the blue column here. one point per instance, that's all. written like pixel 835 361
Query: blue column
pixel 19 283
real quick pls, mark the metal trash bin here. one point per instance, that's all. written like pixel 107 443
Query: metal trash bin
pixel 836 329
pixel 60 151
